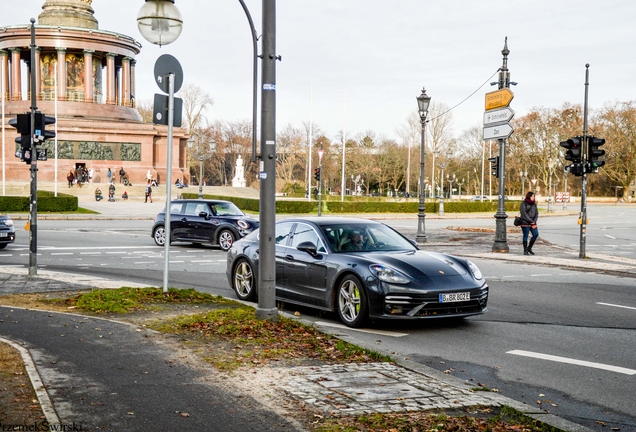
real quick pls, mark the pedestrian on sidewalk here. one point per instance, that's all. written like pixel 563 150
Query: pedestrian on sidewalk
pixel 109 175
pixel 148 192
pixel 529 216
pixel 70 178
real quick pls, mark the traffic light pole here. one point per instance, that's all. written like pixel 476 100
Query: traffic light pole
pixel 501 242
pixel 33 222
pixel 584 145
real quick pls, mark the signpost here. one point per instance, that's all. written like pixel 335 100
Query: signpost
pixel 497 132
pixel 498 116
pixel 498 99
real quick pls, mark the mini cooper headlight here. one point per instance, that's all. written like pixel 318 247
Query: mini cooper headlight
pixel 8 222
pixel 388 274
pixel 242 224
pixel 475 270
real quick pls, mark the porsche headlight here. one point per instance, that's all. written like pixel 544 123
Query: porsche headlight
pixel 388 274
pixel 242 224
pixel 475 270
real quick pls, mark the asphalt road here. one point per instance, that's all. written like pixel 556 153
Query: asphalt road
pixel 534 311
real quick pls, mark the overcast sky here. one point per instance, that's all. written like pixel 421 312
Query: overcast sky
pixel 381 53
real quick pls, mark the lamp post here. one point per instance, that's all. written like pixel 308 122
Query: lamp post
pixel 566 196
pixel 460 184
pixel 550 168
pixel 442 166
pixel 524 176
pixel 160 23
pixel 423 101
pixel 201 153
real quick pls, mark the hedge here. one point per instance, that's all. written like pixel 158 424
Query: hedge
pixel 339 207
pixel 47 202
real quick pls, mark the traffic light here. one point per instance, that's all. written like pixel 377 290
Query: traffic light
pixel 593 153
pixel 317 174
pixel 577 169
pixel 40 134
pixel 494 166
pixel 23 124
pixel 574 146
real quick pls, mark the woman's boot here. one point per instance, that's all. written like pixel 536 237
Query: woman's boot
pixel 525 248
pixel 532 240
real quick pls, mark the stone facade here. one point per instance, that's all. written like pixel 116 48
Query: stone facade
pixel 87 76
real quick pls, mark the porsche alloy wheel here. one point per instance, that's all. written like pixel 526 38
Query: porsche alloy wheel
pixel 244 281
pixel 352 302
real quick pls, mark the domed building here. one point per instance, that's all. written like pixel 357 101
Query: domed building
pixel 86 78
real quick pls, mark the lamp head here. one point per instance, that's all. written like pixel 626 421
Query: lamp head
pixel 423 102
pixel 159 21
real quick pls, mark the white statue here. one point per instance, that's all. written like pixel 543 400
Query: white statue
pixel 239 174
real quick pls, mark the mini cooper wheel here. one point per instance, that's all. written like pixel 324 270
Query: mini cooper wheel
pixel 352 302
pixel 160 236
pixel 244 281
pixel 226 239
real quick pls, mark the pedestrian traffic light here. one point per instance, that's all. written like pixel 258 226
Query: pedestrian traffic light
pixel 578 169
pixel 573 146
pixel 494 166
pixel 23 124
pixel 40 134
pixel 593 153
pixel 317 174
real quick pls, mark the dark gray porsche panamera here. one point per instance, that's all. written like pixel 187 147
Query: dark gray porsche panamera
pixel 360 269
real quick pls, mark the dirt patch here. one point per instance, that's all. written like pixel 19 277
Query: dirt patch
pixel 18 402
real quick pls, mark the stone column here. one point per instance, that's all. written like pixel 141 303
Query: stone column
pixel 88 76
pixel 125 81
pixel 110 78
pixel 133 91
pixel 4 64
pixel 61 73
pixel 16 81
pixel 38 75
pixel 118 85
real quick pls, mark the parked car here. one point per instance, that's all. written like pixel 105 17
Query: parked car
pixel 478 198
pixel 203 221
pixel 7 231
pixel 390 278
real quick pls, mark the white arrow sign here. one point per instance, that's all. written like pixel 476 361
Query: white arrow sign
pixel 502 115
pixel 497 132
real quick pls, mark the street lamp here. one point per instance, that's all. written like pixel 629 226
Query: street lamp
pixel 460 184
pixel 442 166
pixel 551 163
pixel 159 21
pixel 201 153
pixel 423 101
pixel 524 176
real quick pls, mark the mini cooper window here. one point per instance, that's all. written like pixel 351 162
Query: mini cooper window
pixel 227 209
pixel 194 208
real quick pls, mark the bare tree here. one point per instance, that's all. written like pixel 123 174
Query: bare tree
pixel 145 109
pixel 195 102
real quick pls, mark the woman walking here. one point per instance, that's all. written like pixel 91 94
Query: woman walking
pixel 529 216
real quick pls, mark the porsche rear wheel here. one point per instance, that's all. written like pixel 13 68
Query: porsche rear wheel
pixel 244 281
pixel 352 302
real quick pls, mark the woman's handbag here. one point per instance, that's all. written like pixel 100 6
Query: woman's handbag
pixel 518 221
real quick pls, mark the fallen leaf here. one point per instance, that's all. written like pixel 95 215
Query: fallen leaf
pixel 185 415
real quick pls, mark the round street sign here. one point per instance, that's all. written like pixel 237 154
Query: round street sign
pixel 165 65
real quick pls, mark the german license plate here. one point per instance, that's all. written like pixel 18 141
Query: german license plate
pixel 4 235
pixel 454 297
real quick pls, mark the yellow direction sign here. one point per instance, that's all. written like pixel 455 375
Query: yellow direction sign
pixel 498 99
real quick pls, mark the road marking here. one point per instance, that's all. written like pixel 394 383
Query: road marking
pixel 609 236
pixel 187 256
pixel 574 362
pixel 116 253
pixel 201 261
pixel 544 274
pixel 75 248
pixel 89 253
pixel 144 262
pixel 618 306
pixel 380 332
pixel 175 262
pixel 61 253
